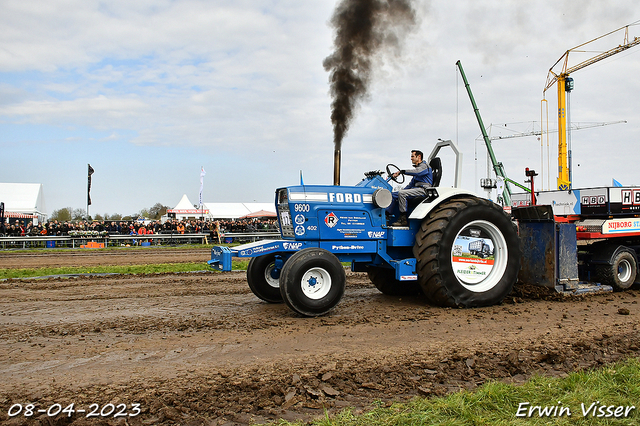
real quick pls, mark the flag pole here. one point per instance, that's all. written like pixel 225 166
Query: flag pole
pixel 202 174
pixel 89 173
pixel 88 190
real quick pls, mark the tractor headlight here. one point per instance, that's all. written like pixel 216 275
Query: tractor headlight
pixel 382 198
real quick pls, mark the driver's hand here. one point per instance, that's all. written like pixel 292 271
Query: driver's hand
pixel 396 174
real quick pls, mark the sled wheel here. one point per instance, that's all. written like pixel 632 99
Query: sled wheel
pixel 622 272
pixel 264 278
pixel 448 273
pixel 385 280
pixel 312 282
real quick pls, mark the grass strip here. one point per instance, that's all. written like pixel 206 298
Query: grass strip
pixel 115 269
pixel 582 398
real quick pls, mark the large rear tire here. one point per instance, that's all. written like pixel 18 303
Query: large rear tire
pixel 448 273
pixel 312 282
pixel 264 278
pixel 385 280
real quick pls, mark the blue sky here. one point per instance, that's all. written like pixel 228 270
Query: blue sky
pixel 148 92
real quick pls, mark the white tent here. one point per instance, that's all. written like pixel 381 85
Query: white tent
pixel 236 210
pixel 184 204
pixel 23 201
pixel 185 209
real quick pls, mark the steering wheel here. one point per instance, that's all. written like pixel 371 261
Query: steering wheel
pixel 390 174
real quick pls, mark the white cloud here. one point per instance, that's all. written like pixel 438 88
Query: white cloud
pixel 239 82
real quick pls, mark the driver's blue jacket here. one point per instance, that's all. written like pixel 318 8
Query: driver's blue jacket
pixel 421 175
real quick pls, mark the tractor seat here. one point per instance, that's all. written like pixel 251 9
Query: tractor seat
pixel 436 170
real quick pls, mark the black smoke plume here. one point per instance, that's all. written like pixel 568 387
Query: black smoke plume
pixel 364 30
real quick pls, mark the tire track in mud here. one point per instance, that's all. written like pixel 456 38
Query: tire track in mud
pixel 166 302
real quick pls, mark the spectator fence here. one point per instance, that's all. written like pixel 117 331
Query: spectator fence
pixel 77 241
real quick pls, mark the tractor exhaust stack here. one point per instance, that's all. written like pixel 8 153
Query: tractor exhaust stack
pixel 336 166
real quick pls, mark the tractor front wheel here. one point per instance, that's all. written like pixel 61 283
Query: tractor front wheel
pixel 264 278
pixel 312 282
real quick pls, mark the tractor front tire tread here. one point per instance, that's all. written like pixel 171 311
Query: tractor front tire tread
pixel 257 282
pixel 291 281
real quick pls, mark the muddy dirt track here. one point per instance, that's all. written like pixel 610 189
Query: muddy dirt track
pixel 200 348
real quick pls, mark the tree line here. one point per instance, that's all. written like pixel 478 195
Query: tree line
pixel 69 214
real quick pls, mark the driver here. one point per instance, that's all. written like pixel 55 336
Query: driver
pixel 422 178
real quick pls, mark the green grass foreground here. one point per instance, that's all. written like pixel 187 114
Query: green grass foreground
pixel 159 268
pixel 494 403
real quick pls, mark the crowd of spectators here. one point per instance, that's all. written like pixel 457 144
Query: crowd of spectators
pixel 213 227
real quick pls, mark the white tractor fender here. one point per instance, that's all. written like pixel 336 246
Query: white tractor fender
pixel 423 209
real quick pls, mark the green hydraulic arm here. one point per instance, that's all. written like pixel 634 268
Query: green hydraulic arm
pixel 519 185
pixel 498 168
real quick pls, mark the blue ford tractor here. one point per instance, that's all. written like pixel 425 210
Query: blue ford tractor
pixel 323 226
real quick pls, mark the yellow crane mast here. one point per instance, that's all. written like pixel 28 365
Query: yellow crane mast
pixel 565 84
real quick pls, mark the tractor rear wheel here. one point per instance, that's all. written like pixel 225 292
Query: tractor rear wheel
pixel 385 280
pixel 447 271
pixel 312 282
pixel 264 278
